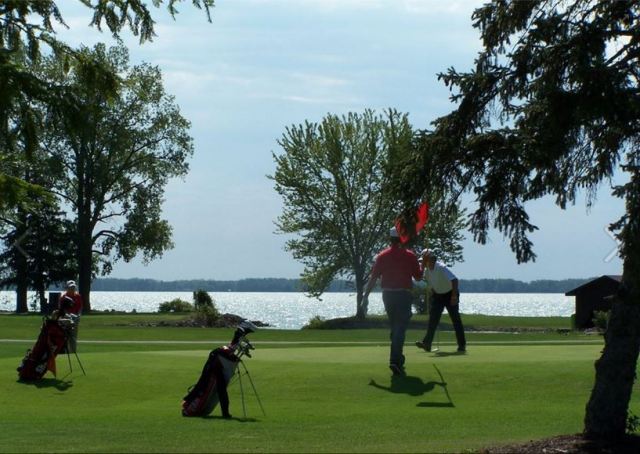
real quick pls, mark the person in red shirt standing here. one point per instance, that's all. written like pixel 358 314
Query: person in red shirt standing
pixel 70 302
pixel 396 266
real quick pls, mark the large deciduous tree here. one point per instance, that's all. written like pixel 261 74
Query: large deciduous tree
pixel 334 179
pixel 552 107
pixel 115 151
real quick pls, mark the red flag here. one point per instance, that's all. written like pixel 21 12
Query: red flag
pixel 420 218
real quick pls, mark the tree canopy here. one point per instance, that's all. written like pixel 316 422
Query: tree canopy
pixel 26 27
pixel 114 155
pixel 334 178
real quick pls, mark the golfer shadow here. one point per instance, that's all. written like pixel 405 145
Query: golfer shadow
pixel 60 385
pixel 413 386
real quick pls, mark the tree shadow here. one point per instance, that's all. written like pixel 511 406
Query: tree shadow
pixel 60 385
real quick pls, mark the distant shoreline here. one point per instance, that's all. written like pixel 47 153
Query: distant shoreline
pixel 283 285
pixel 295 285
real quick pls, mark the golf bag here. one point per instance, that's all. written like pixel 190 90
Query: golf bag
pixel 217 372
pixel 42 357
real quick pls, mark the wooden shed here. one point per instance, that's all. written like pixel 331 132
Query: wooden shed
pixel 592 296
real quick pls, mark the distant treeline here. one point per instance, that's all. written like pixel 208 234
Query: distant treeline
pixel 513 286
pixel 243 285
pixel 295 285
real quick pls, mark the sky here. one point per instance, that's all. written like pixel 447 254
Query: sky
pixel 263 65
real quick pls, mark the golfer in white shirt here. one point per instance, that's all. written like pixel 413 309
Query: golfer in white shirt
pixel 443 285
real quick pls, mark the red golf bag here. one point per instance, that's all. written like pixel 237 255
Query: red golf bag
pixel 42 357
pixel 218 371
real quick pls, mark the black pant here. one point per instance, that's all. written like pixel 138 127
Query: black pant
pixel 397 304
pixel 438 302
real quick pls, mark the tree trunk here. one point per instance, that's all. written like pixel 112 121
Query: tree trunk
pixel 85 259
pixel 361 306
pixel 22 274
pixel 607 409
pixel 606 413
pixel 84 274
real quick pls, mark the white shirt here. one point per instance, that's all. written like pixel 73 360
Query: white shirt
pixel 439 279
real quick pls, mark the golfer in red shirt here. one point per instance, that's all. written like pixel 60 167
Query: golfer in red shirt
pixel 71 303
pixel 396 266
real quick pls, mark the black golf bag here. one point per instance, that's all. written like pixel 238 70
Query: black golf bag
pixel 42 357
pixel 218 371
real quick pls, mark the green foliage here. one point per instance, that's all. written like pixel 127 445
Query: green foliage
pixel 175 305
pixel 115 152
pixel 206 316
pixel 315 322
pixel 202 299
pixel 550 108
pixel 335 180
pixel 25 28
pixel 601 319
pixel 633 423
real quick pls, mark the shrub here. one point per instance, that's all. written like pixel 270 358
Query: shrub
pixel 206 315
pixel 601 319
pixel 202 299
pixel 176 305
pixel 316 322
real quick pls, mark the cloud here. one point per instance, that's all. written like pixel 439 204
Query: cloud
pixel 448 7
pixel 326 5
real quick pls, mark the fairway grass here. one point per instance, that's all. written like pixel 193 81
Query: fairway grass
pixel 318 398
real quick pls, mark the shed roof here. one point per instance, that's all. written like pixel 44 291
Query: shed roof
pixel 604 278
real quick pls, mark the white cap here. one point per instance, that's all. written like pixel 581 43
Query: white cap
pixel 393 233
pixel 71 284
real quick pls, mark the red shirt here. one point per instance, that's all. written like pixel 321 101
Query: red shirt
pixel 77 302
pixel 397 266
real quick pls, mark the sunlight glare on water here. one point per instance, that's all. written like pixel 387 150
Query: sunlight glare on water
pixel 293 310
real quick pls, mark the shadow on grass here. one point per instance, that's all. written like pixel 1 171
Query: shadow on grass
pixel 414 386
pixel 441 354
pixel 60 385
pixel 233 418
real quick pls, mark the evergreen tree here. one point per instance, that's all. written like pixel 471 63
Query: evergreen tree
pixel 552 107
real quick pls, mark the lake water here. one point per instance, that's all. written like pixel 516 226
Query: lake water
pixel 293 310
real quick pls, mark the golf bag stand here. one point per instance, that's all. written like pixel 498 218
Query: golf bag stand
pixel 216 375
pixel 240 373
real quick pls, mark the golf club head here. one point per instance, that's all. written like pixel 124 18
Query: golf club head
pixel 245 327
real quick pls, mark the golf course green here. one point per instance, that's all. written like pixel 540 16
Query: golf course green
pixel 322 391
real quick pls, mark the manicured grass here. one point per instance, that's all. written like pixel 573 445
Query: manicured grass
pixel 319 397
